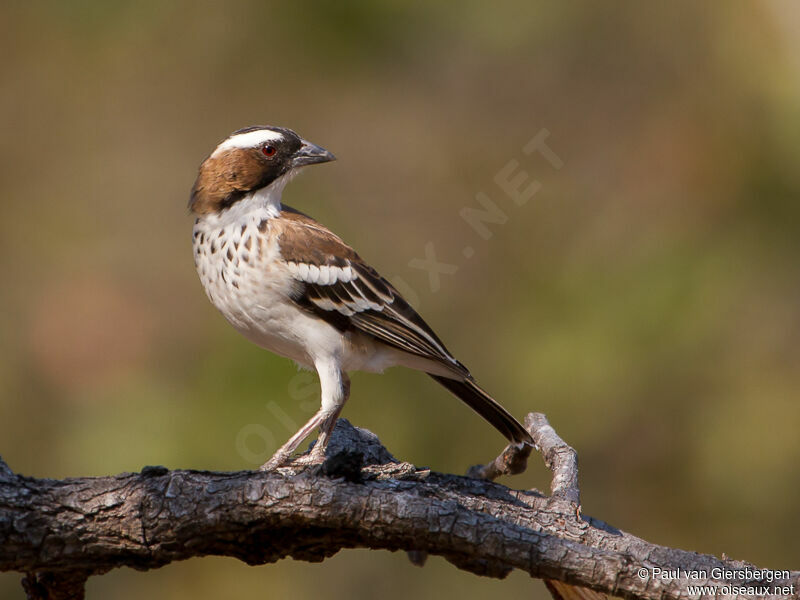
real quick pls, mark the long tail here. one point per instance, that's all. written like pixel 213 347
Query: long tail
pixel 487 407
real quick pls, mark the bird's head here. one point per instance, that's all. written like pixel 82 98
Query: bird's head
pixel 247 160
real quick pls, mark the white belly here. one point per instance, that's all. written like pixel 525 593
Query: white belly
pixel 242 276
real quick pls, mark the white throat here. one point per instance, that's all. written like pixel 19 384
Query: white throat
pixel 266 202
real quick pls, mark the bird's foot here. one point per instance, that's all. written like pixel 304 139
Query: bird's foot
pixel 284 459
pixel 313 457
pixel 279 459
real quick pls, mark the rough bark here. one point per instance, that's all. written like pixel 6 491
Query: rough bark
pixel 58 532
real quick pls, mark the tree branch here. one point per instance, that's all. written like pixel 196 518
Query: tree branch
pixel 59 532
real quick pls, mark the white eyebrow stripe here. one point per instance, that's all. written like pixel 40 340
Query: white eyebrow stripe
pixel 251 139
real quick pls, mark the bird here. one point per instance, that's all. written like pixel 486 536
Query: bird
pixel 293 287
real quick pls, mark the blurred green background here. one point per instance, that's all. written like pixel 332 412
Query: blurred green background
pixel 646 298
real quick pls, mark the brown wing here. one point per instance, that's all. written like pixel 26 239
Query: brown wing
pixel 340 287
pixel 336 284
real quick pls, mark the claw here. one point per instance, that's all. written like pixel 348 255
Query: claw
pixel 279 459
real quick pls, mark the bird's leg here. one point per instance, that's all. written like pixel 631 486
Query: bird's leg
pixel 335 387
pixel 284 452
pixel 326 428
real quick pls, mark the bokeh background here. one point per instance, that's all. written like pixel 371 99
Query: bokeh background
pixel 646 298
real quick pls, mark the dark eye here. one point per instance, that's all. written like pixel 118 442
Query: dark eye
pixel 268 150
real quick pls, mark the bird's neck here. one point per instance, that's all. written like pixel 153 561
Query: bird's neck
pixel 264 202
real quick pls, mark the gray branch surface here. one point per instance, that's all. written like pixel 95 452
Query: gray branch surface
pixel 59 532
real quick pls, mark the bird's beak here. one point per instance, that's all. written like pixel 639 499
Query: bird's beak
pixel 311 154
